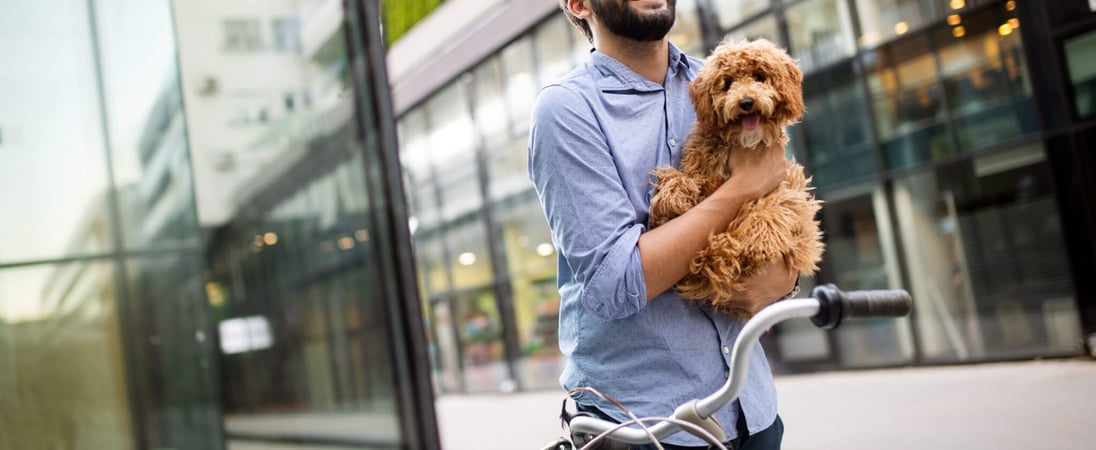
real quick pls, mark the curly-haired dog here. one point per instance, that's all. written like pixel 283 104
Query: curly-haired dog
pixel 745 95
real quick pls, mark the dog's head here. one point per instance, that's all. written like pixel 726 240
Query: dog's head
pixel 747 92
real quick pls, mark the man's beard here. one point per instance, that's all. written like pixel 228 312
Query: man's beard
pixel 623 21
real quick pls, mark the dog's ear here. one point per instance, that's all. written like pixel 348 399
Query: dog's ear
pixel 788 82
pixel 703 96
pixel 789 86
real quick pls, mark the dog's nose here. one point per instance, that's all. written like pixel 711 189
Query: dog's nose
pixel 746 104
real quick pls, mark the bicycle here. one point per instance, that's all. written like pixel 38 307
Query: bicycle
pixel 827 307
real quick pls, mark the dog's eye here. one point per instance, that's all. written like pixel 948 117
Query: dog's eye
pixel 760 77
pixel 727 83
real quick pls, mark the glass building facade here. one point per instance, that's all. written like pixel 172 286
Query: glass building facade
pixel 924 135
pixel 204 243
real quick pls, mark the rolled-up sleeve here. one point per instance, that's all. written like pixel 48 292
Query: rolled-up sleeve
pixel 594 225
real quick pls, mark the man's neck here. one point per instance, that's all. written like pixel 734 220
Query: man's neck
pixel 648 59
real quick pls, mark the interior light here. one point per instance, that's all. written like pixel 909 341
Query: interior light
pixel 901 27
pixel 958 31
pixel 270 238
pixel 346 243
pixel 466 258
pixel 954 20
pixel 1014 23
pixel 1010 5
pixel 1004 30
pixel 545 249
pixel 361 235
pixel 958 4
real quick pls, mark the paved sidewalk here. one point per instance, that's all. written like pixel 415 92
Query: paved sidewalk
pixel 1027 405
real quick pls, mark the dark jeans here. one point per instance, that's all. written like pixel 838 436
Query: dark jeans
pixel 767 439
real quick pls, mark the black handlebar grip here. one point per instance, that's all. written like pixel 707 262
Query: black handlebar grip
pixel 880 303
pixel 835 305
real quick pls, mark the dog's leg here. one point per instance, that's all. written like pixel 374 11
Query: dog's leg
pixel 805 234
pixel 675 193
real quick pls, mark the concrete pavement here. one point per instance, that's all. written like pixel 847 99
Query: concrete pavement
pixel 1021 405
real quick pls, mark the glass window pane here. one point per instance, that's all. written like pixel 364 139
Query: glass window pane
pixel 733 12
pixel 985 255
pixel 452 132
pixel 985 80
pixel 521 83
pixel 836 130
pixel 858 257
pixel 820 33
pixel 54 182
pixel 686 33
pixel 509 170
pixel 764 27
pixel 147 127
pixel 908 102
pixel 532 269
pixel 553 49
pixel 490 103
pixel 60 336
pixel 445 353
pixel 470 260
pixel 249 109
pixel 480 337
pixel 1082 73
pixel 881 20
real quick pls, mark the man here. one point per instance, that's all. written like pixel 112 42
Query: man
pixel 596 135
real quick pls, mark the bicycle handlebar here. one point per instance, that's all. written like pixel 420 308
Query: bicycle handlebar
pixel 827 307
pixel 837 305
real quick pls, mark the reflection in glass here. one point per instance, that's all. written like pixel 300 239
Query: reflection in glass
pixel 986 259
pixel 1082 72
pixel 55 183
pixel 63 358
pixel 820 33
pixel 255 93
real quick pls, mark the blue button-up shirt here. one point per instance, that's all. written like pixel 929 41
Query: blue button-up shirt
pixel 596 136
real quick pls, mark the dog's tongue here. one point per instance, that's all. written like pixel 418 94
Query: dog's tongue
pixel 750 122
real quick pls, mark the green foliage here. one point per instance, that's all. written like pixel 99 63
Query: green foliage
pixel 400 15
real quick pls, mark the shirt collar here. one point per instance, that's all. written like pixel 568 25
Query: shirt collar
pixel 617 76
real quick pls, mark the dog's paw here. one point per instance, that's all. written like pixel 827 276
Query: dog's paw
pixel 674 194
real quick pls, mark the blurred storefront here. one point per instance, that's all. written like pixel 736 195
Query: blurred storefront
pixel 203 242
pixel 948 138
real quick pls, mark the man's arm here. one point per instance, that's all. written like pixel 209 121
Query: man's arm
pixel 594 224
pixel 666 251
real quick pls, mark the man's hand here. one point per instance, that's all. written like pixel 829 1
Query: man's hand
pixel 756 173
pixel 766 287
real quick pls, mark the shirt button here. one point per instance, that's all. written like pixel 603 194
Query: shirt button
pixel 726 350
pixel 673 142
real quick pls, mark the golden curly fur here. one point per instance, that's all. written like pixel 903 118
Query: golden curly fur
pixel 744 95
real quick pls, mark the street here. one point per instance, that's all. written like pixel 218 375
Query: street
pixel 1018 405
